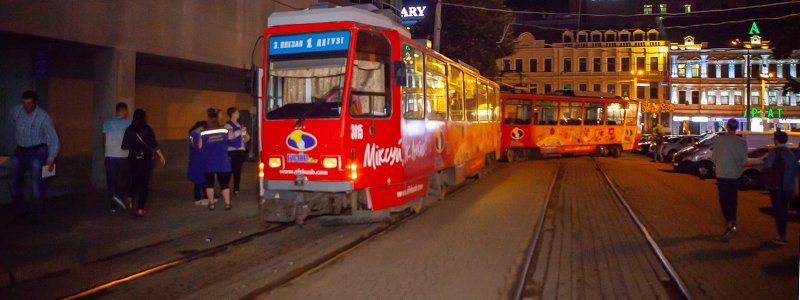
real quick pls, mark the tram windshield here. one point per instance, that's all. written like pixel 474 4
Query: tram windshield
pixel 517 112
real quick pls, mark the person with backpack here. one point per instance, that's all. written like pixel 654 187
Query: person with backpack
pixel 140 141
pixel 729 156
pixel 780 170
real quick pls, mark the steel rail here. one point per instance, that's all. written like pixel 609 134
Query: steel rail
pixel 646 233
pixel 523 274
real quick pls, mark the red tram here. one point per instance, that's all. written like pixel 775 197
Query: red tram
pixel 533 125
pixel 360 117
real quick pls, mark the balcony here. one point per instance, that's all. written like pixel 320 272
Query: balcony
pixel 611 44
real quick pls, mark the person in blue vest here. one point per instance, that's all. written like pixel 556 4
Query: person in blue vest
pixel 195 169
pixel 213 145
pixel 237 137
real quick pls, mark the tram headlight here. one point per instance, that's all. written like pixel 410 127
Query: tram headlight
pixel 275 162
pixel 330 162
pixel 353 171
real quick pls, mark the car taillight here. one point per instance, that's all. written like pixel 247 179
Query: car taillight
pixel 330 162
pixel 275 162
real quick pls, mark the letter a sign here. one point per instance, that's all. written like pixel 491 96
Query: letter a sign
pixel 754 29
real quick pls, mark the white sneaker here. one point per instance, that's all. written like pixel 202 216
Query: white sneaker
pixel 201 202
pixel 118 201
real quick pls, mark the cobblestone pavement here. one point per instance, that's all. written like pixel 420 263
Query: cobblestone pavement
pixel 470 246
pixel 683 214
pixel 590 248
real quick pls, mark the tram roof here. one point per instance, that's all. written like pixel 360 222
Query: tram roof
pixel 363 14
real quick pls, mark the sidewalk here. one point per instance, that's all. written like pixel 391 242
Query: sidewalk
pixel 79 228
pixel 683 214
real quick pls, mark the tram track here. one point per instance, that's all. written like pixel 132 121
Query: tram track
pixel 524 277
pixel 103 288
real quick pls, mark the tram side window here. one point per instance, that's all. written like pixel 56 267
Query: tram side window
pixel 483 102
pixel 593 115
pixel 413 92
pixel 494 107
pixel 615 114
pixel 370 81
pixel 570 113
pixel 517 112
pixel 435 89
pixel 455 94
pixel 470 97
pixel 547 112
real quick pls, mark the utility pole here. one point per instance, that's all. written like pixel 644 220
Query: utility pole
pixel 747 69
pixel 437 25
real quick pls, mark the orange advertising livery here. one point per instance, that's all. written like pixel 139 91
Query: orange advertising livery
pixel 533 125
pixel 360 120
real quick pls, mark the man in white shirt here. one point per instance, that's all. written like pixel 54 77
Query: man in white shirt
pixel 116 160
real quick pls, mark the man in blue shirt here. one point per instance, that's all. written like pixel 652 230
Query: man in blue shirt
pixel 37 146
pixel 116 160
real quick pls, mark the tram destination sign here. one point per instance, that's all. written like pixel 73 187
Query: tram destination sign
pixel 309 42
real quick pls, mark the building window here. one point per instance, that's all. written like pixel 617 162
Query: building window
pixel 582 87
pixel 640 92
pixel 681 70
pixel 518 65
pixel 723 97
pixel 506 65
pixel 567 86
pixel 611 88
pixel 654 90
pixel 596 65
pixel 582 64
pixel 695 97
pixel 548 65
pixel 682 97
pixel 773 97
pixel 640 64
pixel 695 70
pixel 723 71
pixel 596 87
pixel 611 38
pixel 611 64
pixel 654 64
pixel 567 65
pixel 737 97
pixel 625 64
pixel 738 71
pixel 534 89
pixel 754 98
pixel 662 8
pixel 625 89
pixel 687 8
pixel 648 9
pixel 533 65
pixel 711 97
pixel 548 88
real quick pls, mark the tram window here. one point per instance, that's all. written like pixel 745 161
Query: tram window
pixel 370 79
pixel 470 97
pixel 413 91
pixel 593 114
pixel 546 112
pixel 615 114
pixel 570 113
pixel 455 94
pixel 305 85
pixel 435 89
pixel 483 103
pixel 494 104
pixel 630 114
pixel 517 112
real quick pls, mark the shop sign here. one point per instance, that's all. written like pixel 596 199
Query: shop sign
pixel 769 113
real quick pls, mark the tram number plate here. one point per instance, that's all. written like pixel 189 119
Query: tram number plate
pixel 297 158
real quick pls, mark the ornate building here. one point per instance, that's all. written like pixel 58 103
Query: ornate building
pixel 710 85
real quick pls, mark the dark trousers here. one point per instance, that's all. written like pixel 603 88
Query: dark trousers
pixel 141 169
pixel 117 176
pixel 237 160
pixel 28 159
pixel 728 197
pixel 199 191
pixel 780 208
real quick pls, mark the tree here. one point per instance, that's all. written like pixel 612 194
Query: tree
pixel 477 37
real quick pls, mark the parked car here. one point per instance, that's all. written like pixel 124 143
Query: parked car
pixel 699 161
pixel 673 145
pixel 645 142
pixel 682 161
pixel 751 173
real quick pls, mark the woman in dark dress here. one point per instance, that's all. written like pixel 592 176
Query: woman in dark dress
pixel 140 141
pixel 237 150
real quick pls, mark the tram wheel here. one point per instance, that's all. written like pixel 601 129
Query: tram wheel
pixel 511 155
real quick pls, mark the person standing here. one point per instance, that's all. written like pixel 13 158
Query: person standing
pixel 116 159
pixel 140 141
pixel 213 144
pixel 37 147
pixel 780 170
pixel 729 156
pixel 659 143
pixel 237 137
pixel 196 162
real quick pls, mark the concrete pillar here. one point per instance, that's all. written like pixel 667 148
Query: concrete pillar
pixel 704 66
pixel 114 81
pixel 765 65
pixel 718 70
pixel 673 61
pixel 779 70
pixel 688 71
pixel 732 71
pixel 793 70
